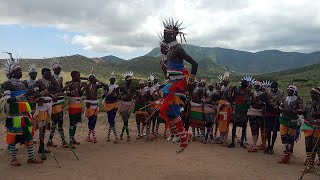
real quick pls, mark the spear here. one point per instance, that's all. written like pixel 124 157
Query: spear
pixel 306 170
pixel 64 140
pixel 41 138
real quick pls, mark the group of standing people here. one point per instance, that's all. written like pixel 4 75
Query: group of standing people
pixel 266 108
pixel 178 102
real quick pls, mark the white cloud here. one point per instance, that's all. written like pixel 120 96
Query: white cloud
pixel 125 26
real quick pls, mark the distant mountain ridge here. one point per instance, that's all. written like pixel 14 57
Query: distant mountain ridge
pixel 247 62
pixel 113 59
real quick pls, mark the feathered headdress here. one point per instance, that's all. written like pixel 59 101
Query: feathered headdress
pixel 92 73
pixel 32 68
pixel 152 77
pixel 225 76
pixel 266 84
pixel 161 39
pixel 10 64
pixel 112 75
pixel 174 27
pixel 55 63
pixel 249 79
pixel 220 78
pixel 127 74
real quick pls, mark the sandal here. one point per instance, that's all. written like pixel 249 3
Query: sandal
pixel 94 140
pixel 15 163
pixel 185 144
pixel 34 161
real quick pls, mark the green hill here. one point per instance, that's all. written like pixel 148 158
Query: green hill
pixel 304 78
pixel 141 66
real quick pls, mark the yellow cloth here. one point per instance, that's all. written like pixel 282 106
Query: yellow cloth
pixel 90 112
pixel 57 108
pixel 315 134
pixel 109 106
pixel 75 105
pixel 223 126
pixel 42 116
pixel 284 130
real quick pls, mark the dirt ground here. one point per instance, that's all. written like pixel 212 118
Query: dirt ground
pixel 151 160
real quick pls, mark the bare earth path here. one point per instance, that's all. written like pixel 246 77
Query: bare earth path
pixel 151 160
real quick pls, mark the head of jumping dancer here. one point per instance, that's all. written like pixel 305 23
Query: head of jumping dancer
pixel 46 73
pixel 315 94
pixel 171 30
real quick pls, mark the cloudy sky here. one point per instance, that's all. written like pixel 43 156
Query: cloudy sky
pixel 129 28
